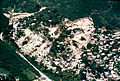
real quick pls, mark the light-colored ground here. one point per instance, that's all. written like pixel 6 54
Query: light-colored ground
pixel 35 47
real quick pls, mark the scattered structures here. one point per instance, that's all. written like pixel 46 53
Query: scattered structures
pixel 40 47
pixel 72 46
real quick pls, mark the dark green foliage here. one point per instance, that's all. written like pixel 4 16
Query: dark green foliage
pixel 100 69
pixel 62 35
pixel 24 42
pixel 53 64
pixel 62 27
pixel 46 17
pixel 4 78
pixel 7 78
pixel 93 66
pixel 107 32
pixel 43 41
pixel 117 64
pixel 82 75
pixel 71 35
pixel 20 5
pixel 89 46
pixel 97 75
pixel 67 32
pixel 75 43
pixel 76 29
pixel 19 34
pixel 85 60
pixel 100 12
pixel 56 32
pixel 69 50
pixel 55 49
pixel 82 38
pixel 96 48
pixel 50 39
pixel 57 8
pixel 13 63
pixel 45 31
pixel 49 14
pixel 3 20
pixel 64 57
pixel 58 68
pixel 4 23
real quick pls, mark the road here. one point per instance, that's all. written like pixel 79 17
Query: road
pixel 42 74
pixel 22 15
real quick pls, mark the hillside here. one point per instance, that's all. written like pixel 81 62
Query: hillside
pixel 68 40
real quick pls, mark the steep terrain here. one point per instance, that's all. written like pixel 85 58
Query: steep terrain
pixel 74 47
pixel 66 40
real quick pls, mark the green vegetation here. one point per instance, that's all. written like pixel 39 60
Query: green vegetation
pixel 101 12
pixel 64 76
pixel 49 16
pixel 82 38
pixel 3 71
pixel 75 43
pixel 7 78
pixel 25 42
pixel 30 75
pixel 13 65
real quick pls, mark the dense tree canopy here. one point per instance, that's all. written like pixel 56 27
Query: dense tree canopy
pixel 104 13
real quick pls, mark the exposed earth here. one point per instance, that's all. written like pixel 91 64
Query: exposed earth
pixel 62 47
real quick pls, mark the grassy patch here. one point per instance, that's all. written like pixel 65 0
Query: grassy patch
pixel 29 74
pixel 3 71
pixel 14 64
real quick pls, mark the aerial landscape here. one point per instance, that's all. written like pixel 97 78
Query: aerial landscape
pixel 59 40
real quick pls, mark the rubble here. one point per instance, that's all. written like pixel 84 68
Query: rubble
pixel 70 44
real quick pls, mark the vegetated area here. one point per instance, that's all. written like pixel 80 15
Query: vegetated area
pixel 104 13
pixel 62 75
pixel 14 66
